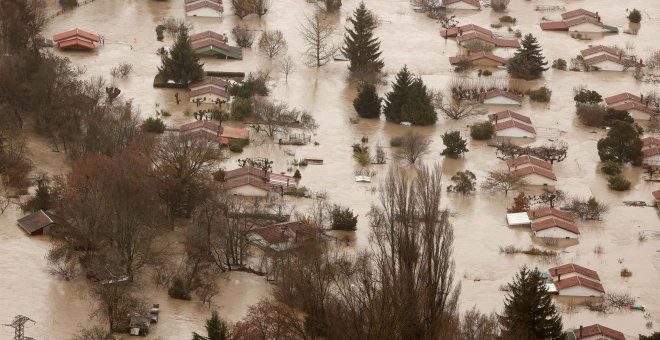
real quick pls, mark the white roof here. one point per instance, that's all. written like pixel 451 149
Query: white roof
pixel 551 288
pixel 517 218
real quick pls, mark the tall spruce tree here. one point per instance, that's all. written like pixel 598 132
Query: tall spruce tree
pixel 528 63
pixel 181 65
pixel 360 45
pixel 529 313
pixel 216 329
pixel 409 101
pixel 367 103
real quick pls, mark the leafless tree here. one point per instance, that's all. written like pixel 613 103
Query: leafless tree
pixel 478 326
pixel 260 7
pixel 590 209
pixel 459 109
pixel 502 181
pixel 380 157
pixel 270 320
pixel 499 5
pixel 63 261
pixel 278 118
pixel 272 43
pixel 317 32
pixel 331 6
pixel 114 302
pixel 287 66
pixel 414 146
pixel 243 36
pixel 242 8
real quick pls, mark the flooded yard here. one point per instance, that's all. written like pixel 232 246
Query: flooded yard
pixel 407 38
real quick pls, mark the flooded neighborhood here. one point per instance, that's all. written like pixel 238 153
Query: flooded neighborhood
pixel 294 216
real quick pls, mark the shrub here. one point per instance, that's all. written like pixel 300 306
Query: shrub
pixel 240 108
pixel 477 46
pixel 178 290
pixel 297 174
pixel 455 145
pixel 625 272
pixel 482 131
pixel 585 96
pixel 601 115
pixel 487 73
pixel 343 219
pixel 236 148
pixel 611 168
pixel 367 103
pixel 541 94
pixel 635 16
pixel 462 66
pixel 464 182
pixel 396 142
pixel 122 70
pixel 254 84
pixel 243 36
pixel 618 183
pixel 508 19
pixel 559 64
pixel 153 125
pixel 219 175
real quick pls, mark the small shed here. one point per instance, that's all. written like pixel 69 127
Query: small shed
pixel 461 4
pixel 518 219
pixel 555 228
pixel 204 8
pixel 39 223
pixel 139 325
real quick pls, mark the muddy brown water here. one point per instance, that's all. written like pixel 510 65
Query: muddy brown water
pixel 408 38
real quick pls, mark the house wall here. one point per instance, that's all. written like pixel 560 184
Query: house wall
pixel 579 291
pixel 652 160
pixel 611 66
pixel 639 115
pixel 514 132
pixel 555 233
pixel 461 5
pixel 249 191
pixel 484 62
pixel 501 100
pixel 204 12
pixel 586 27
pixel 210 98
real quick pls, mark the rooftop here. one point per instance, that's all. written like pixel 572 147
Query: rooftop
pixel 514 124
pixel 579 281
pixel 633 106
pixel 525 160
pixel 509 114
pixel 547 211
pixel 599 48
pixel 621 97
pixel 577 12
pixel 573 268
pixel 454 31
pixel 204 4
pixel 595 330
pixel 37 221
pixel 555 223
pixel 76 32
pixel 601 58
pixel 497 93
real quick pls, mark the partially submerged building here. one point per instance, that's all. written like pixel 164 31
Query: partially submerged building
pixel 482 59
pixel 651 151
pixel 253 182
pixel 282 236
pixel 579 287
pixel 212 44
pixel 76 39
pixel 488 40
pixel 500 97
pixel 210 90
pixel 509 124
pixel 204 8
pixel 555 228
pixel 214 132
pixel 595 332
pixel 579 20
pixel 39 223
pixel 606 62
pixel 465 29
pixel 572 270
pixel 598 50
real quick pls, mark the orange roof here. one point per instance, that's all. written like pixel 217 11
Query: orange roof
pixel 199 125
pixel 523 160
pixel 599 48
pixel 75 43
pixel 207 35
pixel 622 97
pixel 650 141
pixel 528 170
pixel 235 133
pixel 554 26
pixel 555 223
pixel 202 4
pixel 514 124
pixel 595 330
pixel 454 31
pixel 582 20
pixel 496 93
pixel 543 212
pixel 476 56
pixel 573 268
pixel 509 114
pixel 651 152
pixel 633 106
pixel 215 81
pixel 247 180
pixel 76 32
pixel 209 90
pixel 579 281
pixel 601 58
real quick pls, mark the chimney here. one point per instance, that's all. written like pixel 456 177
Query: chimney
pixel 580 335
pixel 558 277
pixel 641 97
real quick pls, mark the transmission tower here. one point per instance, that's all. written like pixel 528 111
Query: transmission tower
pixel 19 327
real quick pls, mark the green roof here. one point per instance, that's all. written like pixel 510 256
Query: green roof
pixel 612 29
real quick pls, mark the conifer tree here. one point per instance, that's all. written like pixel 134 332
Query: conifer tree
pixel 360 45
pixel 529 312
pixel 409 101
pixel 216 329
pixel 528 63
pixel 367 103
pixel 455 145
pixel 181 65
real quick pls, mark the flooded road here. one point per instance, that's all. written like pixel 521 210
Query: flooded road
pixel 408 38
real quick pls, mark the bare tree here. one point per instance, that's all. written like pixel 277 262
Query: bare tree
pixel 272 43
pixel 242 8
pixel 502 181
pixel 590 209
pixel 287 66
pixel 317 32
pixel 243 35
pixel 270 320
pixel 114 302
pixel 477 326
pixel 260 7
pixel 413 147
pixel 459 109
pixel 380 157
pixel 278 118
pixel 331 6
pixel 554 152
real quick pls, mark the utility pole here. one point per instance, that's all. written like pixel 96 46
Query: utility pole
pixel 19 327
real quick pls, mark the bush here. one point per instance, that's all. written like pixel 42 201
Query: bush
pixel 396 142
pixel 487 73
pixel 178 290
pixel 635 16
pixel 559 64
pixel 236 145
pixel 153 125
pixel 219 175
pixel 611 168
pixel 477 46
pixel 297 174
pixel 482 131
pixel 240 108
pixel 367 103
pixel 508 19
pixel 541 94
pixel 585 96
pixel 68 4
pixel 625 272
pixel 343 219
pixel 462 66
pixel 455 145
pixel 601 115
pixel 618 183
pixel 254 85
pixel 499 5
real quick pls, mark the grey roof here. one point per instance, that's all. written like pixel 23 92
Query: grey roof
pixel 36 221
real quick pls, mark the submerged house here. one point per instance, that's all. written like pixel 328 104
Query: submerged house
pixel 500 97
pixel 599 50
pixel 282 236
pixel 546 213
pixel 623 98
pixel 465 29
pixel 651 151
pixel 606 62
pixel 39 223
pixel 483 59
pixel 509 124
pixel 76 39
pixel 210 90
pixel 555 228
pixel 638 111
pixel 212 44
pixel 214 132
pixel 204 8
pixel 461 4
pixel 579 20
pixel 253 182
pixel 488 40
pixel 595 332
pixel 579 287
pixel 572 270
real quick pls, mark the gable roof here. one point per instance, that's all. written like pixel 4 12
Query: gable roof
pixel 555 223
pixel 201 124
pixel 579 281
pixel 235 133
pixel 573 268
pixel 582 20
pixel 526 160
pixel 214 81
pixel 633 106
pixel 36 221
pixel 497 93
pixel 75 42
pixel 656 195
pixel 204 4
pixel 621 97
pixel 209 90
pixel 599 48
pixel 577 12
pixel 476 56
pixel 509 114
pixel 248 180
pixel 208 35
pixel 489 39
pixel 554 26
pixel 454 31
pixel 650 141
pixel 593 330
pixel 650 152
pixel 514 124
pixel 547 211
pixel 76 32
pixel 601 58
pixel 475 3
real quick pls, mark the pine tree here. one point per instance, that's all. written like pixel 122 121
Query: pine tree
pixel 360 46
pixel 181 65
pixel 528 63
pixel 529 312
pixel 216 329
pixel 367 103
pixel 409 101
pixel 455 145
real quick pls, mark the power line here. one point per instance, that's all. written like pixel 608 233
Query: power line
pixel 19 327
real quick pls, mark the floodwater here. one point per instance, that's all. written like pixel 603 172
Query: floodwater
pixel 408 38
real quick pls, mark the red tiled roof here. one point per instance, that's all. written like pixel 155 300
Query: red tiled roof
pixel 454 31
pixel 208 35
pixel 235 133
pixel 509 114
pixel 193 1
pixel 573 268
pixel 582 20
pixel 476 56
pixel 594 330
pixel 554 26
pixel 475 3
pixel 621 97
pixel 206 3
pixel 555 223
pixel 476 35
pixel 76 43
pixel 250 180
pixel 216 81
pixel 601 58
pixel 204 42
pixel 199 125
pixel 76 32
pixel 599 48
pixel 656 195
pixel 244 171
pixel 522 160
pixel 514 124
pixel 648 153
pixel 209 136
pixel 514 43
pixel 209 90
pixel 574 13
pixel 633 106
pixel 543 212
pixel 496 93
pixel 579 281
pixel 528 170
pixel 648 141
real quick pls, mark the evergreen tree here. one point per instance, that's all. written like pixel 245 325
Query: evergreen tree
pixel 367 103
pixel 622 144
pixel 181 65
pixel 409 101
pixel 455 145
pixel 528 63
pixel 529 313
pixel 360 46
pixel 216 329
